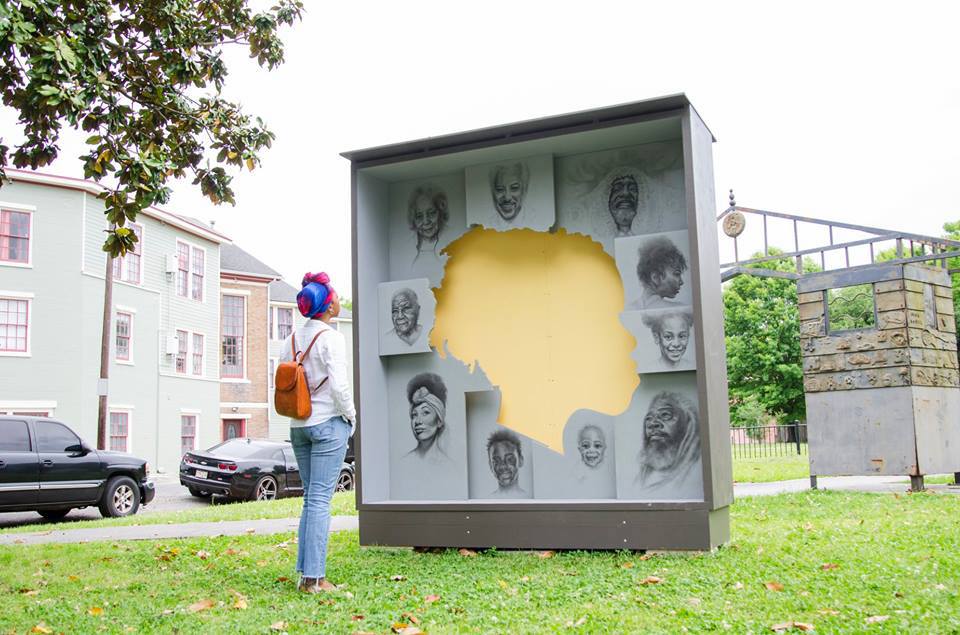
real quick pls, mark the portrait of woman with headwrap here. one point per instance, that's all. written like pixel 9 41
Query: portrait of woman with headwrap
pixel 427 395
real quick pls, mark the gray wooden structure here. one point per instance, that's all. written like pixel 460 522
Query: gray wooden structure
pixel 537 523
pixel 883 399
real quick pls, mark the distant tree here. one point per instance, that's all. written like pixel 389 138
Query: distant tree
pixel 144 79
pixel 764 363
pixel 346 303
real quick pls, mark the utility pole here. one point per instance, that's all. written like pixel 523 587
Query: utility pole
pixel 102 416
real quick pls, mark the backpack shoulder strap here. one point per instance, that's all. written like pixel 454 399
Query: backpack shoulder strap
pixel 312 342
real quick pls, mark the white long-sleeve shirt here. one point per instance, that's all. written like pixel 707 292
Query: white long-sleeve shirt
pixel 327 358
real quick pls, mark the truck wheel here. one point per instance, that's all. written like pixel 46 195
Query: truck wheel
pixel 121 497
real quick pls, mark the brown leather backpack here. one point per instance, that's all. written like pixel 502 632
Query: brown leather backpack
pixel 291 396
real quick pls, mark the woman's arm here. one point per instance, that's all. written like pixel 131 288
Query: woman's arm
pixel 334 356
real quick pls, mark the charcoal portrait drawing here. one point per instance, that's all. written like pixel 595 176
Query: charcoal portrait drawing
pixel 671 333
pixel 427 395
pixel 592 445
pixel 506 458
pixel 669 462
pixel 623 201
pixel 660 269
pixel 405 315
pixel 508 188
pixel 427 214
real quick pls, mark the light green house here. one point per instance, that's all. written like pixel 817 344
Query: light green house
pixel 164 387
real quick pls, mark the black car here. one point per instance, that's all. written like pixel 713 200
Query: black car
pixel 45 467
pixel 250 469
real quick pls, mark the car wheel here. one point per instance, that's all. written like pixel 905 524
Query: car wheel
pixel 120 498
pixel 199 493
pixel 53 515
pixel 265 489
pixel 345 482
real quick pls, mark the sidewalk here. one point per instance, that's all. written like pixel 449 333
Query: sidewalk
pixel 878 484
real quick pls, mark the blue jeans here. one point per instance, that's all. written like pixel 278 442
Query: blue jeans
pixel 320 450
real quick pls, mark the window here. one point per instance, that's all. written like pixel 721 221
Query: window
pixel 273 371
pixel 181 366
pixel 188 433
pixel 127 268
pixel 14 436
pixel 284 323
pixel 196 274
pixel 14 236
pixel 54 437
pixel 851 308
pixel 124 329
pixel 232 339
pixel 14 316
pixel 234 429
pixel 119 431
pixel 197 354
pixel 183 269
pixel 190 271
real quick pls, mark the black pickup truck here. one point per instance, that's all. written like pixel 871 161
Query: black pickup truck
pixel 45 467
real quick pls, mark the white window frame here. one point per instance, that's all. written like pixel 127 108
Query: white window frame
pixel 272 364
pixel 116 321
pixel 13 407
pixel 244 377
pixel 20 295
pixel 188 362
pixel 128 410
pixel 28 209
pixel 141 246
pixel 191 248
pixel 274 325
pixel 190 412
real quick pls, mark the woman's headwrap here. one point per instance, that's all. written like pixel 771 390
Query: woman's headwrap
pixel 316 295
pixel 422 395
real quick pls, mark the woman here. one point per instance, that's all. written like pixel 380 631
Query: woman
pixel 320 441
pixel 427 395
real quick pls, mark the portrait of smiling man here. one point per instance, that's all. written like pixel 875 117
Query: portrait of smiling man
pixel 623 202
pixel 508 187
pixel 511 194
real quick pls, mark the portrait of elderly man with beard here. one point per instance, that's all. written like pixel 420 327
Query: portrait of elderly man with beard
pixel 669 462
pixel 405 315
pixel 508 187
pixel 506 458
pixel 623 202
pixel 427 214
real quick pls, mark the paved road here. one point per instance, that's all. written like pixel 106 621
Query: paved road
pixel 171 496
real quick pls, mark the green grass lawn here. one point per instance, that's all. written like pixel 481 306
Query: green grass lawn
pixel 763 469
pixel 843 562
pixel 343 504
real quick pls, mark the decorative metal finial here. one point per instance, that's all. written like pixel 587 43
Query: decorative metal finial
pixel 733 201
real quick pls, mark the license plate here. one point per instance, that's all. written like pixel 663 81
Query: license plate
pixel 201 474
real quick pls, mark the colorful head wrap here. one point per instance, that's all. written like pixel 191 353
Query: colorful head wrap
pixel 422 395
pixel 316 295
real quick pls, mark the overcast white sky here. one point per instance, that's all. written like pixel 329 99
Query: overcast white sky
pixel 843 110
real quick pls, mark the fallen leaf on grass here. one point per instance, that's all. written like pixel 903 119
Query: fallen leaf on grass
pixel 356 618
pixel 278 626
pixel 646 556
pixel 249 530
pixel 578 623
pixel 651 579
pixel 431 598
pixel 26 591
pixel 940 587
pixel 828 612
pixel 283 578
pixel 398 578
pixel 241 603
pixel 627 565
pixel 876 619
pixel 503 584
pixel 469 553
pixel 73 578
pixel 41 628
pixel 786 626
pixel 543 555
pixel 95 611
pixel 202 605
pixel 826 566
pixel 773 586
pixel 410 617
pixel 203 555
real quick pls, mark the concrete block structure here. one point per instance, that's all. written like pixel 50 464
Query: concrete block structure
pixel 882 399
